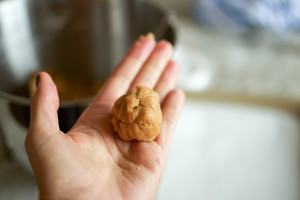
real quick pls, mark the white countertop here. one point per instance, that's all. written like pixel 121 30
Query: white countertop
pixel 219 151
pixel 230 152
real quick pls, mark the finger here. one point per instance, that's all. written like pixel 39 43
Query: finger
pixel 43 109
pixel 121 78
pixel 171 111
pixel 152 69
pixel 167 80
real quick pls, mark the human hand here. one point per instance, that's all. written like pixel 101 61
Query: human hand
pixel 91 161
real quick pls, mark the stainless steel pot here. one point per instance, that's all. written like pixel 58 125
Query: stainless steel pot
pixel 79 38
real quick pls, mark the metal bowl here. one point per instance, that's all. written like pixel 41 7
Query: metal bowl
pixel 78 38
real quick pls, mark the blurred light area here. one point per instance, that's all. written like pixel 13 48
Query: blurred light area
pixel 196 73
pixel 238 16
pixel 17 38
pixel 256 64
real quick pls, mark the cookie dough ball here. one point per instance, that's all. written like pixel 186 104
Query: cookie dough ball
pixel 137 115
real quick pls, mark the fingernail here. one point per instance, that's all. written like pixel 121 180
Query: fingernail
pixel 151 35
pixel 138 42
pixel 37 79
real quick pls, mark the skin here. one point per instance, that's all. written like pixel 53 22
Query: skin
pixel 91 161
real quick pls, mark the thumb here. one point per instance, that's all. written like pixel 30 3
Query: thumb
pixel 43 109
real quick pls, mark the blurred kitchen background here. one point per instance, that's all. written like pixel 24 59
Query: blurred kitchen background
pixel 239 133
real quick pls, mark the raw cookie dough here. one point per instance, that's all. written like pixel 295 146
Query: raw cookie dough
pixel 137 115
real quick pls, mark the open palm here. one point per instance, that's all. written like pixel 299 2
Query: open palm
pixel 91 161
